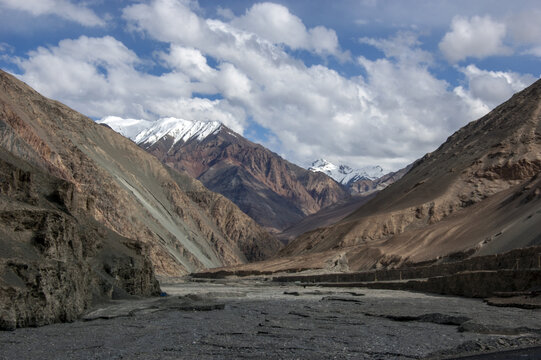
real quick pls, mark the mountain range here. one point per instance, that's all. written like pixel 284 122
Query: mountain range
pixel 345 174
pixel 479 193
pixel 363 181
pixel 271 190
pixel 87 214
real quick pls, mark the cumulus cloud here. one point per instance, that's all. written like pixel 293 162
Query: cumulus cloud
pixel 167 20
pixel 189 60
pixel 390 116
pixel 101 77
pixel 275 23
pixel 477 37
pixel 490 88
pixel 62 8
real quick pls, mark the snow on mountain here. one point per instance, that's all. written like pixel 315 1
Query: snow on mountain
pixel 179 129
pixel 126 127
pixel 150 132
pixel 344 174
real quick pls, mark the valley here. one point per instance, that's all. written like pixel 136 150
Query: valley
pixel 182 179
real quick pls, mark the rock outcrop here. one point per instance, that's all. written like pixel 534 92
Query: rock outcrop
pixel 54 264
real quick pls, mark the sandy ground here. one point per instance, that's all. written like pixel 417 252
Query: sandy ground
pixel 258 320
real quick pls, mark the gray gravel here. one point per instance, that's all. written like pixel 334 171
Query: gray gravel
pixel 255 320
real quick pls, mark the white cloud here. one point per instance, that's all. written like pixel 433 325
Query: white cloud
pixel 225 13
pixel 99 77
pixel 127 127
pixel 394 114
pixel 324 41
pixel 477 37
pixel 203 110
pixel 404 46
pixel 525 26
pixel 233 83
pixel 189 60
pixel 62 8
pixel 276 24
pixel 536 51
pixel 490 88
pixel 164 18
pixel 525 30
pixel 6 48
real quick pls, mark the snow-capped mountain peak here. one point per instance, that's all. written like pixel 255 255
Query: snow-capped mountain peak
pixel 150 132
pixel 179 129
pixel 344 174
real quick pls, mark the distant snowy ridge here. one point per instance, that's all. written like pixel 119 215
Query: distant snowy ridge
pixel 178 129
pixel 150 132
pixel 344 174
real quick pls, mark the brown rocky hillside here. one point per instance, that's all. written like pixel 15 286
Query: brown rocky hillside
pixel 489 161
pixel 126 189
pixel 271 190
pixel 55 260
pixel 478 193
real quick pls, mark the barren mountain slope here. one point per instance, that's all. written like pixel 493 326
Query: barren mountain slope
pixel 324 217
pixel 271 190
pixel 478 184
pixel 55 262
pixel 125 188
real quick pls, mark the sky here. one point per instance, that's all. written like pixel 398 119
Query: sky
pixel 361 82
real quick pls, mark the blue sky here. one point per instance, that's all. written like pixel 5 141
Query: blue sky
pixel 365 82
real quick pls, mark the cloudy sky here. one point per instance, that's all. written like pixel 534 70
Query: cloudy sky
pixel 366 82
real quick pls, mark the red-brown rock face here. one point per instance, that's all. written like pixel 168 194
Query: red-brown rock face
pixel 271 190
pixel 115 182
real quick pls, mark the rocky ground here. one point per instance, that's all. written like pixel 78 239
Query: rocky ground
pixel 260 319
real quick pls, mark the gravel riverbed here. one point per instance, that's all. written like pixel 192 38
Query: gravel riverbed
pixel 259 319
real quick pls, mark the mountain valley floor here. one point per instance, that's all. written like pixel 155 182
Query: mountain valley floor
pixel 261 319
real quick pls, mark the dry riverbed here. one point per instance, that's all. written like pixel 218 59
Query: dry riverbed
pixel 260 319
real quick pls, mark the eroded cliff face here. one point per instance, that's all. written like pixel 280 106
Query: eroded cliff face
pixel 420 217
pixel 54 264
pixel 119 185
pixel 271 190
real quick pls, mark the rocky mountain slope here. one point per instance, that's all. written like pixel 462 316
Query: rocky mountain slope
pixel 324 217
pixel 116 183
pixel 479 193
pixel 271 190
pixel 55 260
